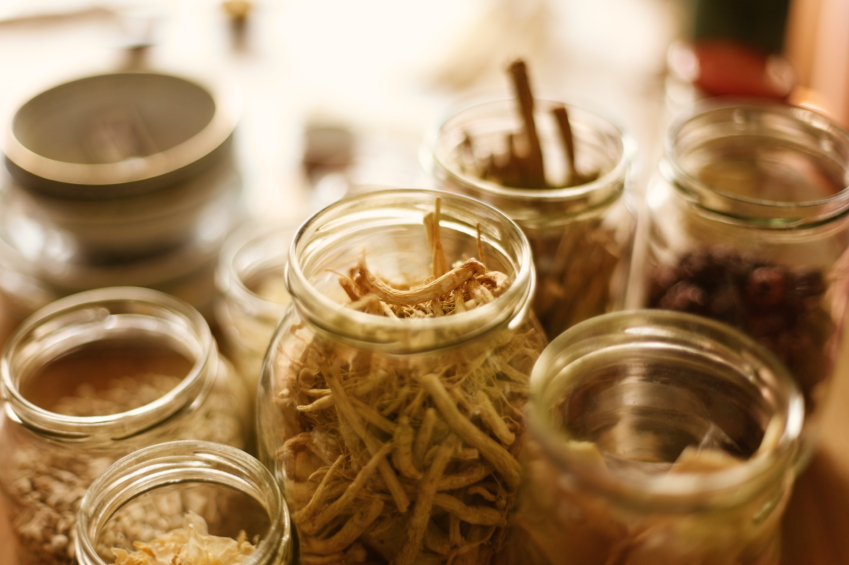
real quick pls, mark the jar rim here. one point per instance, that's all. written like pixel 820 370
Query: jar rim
pixel 781 214
pixel 715 487
pixel 123 424
pixel 214 134
pixel 408 335
pixel 433 160
pixel 230 275
pixel 161 464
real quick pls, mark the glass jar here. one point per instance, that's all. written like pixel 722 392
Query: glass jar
pixel 396 436
pixel 252 295
pixel 91 378
pixel 173 498
pixel 581 235
pixel 746 222
pixel 657 437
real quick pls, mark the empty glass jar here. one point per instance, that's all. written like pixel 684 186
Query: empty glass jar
pixel 392 393
pixel 91 378
pixel 581 234
pixel 747 223
pixel 184 502
pixel 657 437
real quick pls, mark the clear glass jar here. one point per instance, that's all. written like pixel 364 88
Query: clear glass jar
pixel 746 222
pixel 396 438
pixel 657 437
pixel 252 295
pixel 91 378
pixel 178 496
pixel 582 235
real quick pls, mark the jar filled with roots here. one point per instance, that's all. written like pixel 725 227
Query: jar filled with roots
pixel 188 503
pixel 91 378
pixel 392 394
pixel 561 173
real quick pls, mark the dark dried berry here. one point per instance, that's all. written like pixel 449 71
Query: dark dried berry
pixel 702 268
pixel 684 297
pixel 766 287
pixel 809 283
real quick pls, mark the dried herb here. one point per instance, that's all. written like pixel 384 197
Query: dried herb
pixel 389 458
pixel 576 256
pixel 47 483
pixel 189 545
pixel 779 307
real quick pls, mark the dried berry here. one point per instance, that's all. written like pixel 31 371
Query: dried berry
pixel 778 307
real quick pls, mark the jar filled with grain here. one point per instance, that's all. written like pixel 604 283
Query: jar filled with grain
pixel 746 223
pixel 561 173
pixel 657 437
pixel 392 393
pixel 91 378
pixel 188 502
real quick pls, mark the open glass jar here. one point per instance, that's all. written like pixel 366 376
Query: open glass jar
pixel 747 223
pixel 91 378
pixel 657 437
pixel 581 235
pixel 169 501
pixel 252 295
pixel 393 416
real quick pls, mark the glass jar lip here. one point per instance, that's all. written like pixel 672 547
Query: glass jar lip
pixel 715 487
pixel 122 424
pixel 408 335
pixel 164 462
pixel 671 169
pixel 229 277
pixel 432 157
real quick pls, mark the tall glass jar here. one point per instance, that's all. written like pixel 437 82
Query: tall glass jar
pixel 747 223
pixel 657 437
pixel 93 377
pixel 581 235
pixel 394 429
pixel 171 499
pixel 252 295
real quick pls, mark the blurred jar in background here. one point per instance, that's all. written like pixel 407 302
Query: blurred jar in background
pixel 730 48
pixel 121 179
pixel 252 294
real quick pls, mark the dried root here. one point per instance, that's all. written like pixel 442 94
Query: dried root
pixel 392 458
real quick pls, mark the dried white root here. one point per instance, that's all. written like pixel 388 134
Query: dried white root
pixel 189 545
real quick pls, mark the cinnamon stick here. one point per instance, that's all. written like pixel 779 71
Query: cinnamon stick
pixel 535 175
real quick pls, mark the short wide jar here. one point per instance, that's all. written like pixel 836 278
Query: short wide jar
pixel 393 418
pixel 176 498
pixel 91 378
pixel 581 235
pixel 657 437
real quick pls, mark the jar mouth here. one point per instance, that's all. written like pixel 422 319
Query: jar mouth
pixel 388 224
pixel 570 369
pixel 808 152
pixel 185 461
pixel 206 116
pixel 498 117
pixel 247 254
pixel 108 313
